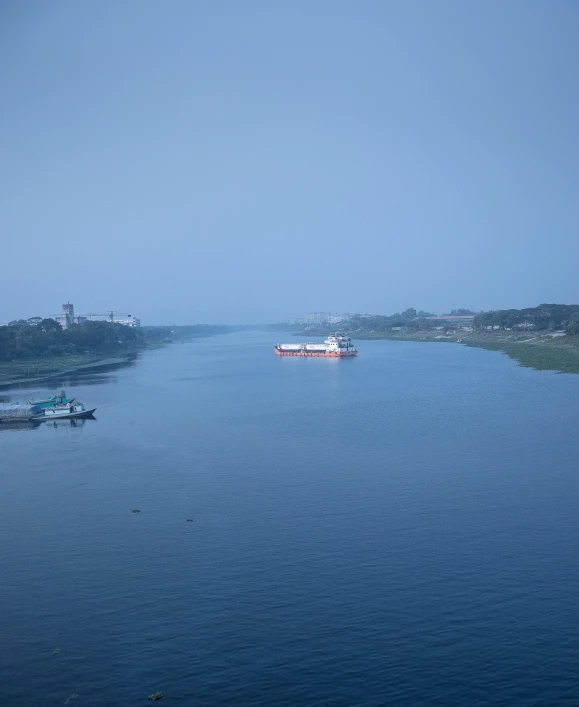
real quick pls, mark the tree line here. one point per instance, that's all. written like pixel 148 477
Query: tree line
pixel 545 317
pixel 23 340
pixel 45 338
pixel 409 320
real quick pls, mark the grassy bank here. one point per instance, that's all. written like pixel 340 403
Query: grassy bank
pixel 42 369
pixel 541 351
pixel 559 354
pixel 95 344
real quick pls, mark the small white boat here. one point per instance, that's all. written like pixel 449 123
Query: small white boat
pixel 64 410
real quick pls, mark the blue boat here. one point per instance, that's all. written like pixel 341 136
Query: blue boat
pixel 53 400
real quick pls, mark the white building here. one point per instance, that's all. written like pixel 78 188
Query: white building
pixel 323 318
pixel 129 321
pixel 68 317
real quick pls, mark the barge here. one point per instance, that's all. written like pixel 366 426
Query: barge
pixel 335 346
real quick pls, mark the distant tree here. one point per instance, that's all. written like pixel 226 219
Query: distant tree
pixel 20 340
pixel 572 326
pixel 545 317
pixel 49 325
pixel 408 314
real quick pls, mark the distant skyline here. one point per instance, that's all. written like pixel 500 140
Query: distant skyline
pixel 251 162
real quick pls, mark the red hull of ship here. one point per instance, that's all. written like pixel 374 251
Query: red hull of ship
pixel 315 354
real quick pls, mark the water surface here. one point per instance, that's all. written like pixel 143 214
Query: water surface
pixel 397 529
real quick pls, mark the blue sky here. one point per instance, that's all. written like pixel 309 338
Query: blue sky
pixel 225 161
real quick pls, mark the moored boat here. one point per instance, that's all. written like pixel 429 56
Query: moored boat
pixel 36 412
pixel 65 410
pixel 52 400
pixel 335 346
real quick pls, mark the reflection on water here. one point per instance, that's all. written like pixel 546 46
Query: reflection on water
pixel 96 375
pixel 21 426
pixel 46 424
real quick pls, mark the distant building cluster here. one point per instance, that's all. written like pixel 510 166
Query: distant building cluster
pixel 457 319
pixel 68 317
pixel 321 318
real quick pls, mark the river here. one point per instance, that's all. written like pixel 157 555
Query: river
pixel 396 529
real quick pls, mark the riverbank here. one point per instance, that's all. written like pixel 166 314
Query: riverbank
pixel 543 352
pixel 555 351
pixel 43 369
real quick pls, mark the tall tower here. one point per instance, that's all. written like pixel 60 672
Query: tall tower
pixel 67 314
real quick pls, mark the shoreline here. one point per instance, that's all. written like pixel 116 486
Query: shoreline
pixel 48 370
pixel 560 357
pixel 18 373
pixel 540 351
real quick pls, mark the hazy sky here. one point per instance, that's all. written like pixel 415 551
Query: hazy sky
pixel 241 161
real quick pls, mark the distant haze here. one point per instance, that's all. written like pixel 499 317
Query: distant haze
pixel 253 161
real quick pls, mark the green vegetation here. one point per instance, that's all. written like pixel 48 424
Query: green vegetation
pixel 544 337
pixel 543 354
pixel 42 368
pixel 572 325
pixel 21 340
pixel 380 326
pixel 409 319
pixel 31 339
pixel 35 349
pixel 545 317
pixel 155 696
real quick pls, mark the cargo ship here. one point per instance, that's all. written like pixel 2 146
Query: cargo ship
pixel 335 346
